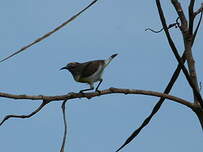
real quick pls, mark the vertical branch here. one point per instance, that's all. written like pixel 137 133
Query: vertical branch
pixel 188 46
pixel 191 16
pixel 199 113
pixel 187 33
pixel 181 14
pixel 63 106
pixel 183 28
pixel 173 48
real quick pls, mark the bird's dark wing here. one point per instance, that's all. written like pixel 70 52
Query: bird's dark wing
pixel 91 67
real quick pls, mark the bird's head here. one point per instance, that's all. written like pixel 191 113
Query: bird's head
pixel 70 66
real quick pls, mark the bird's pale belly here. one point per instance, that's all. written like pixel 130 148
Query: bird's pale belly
pixel 85 80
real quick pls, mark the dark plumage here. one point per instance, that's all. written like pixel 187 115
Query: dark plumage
pixel 88 72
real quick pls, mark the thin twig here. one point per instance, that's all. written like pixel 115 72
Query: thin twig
pixel 49 33
pixel 154 31
pixel 63 107
pixel 170 26
pixel 25 116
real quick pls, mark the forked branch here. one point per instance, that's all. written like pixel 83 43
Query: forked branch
pixel 90 95
pixel 174 49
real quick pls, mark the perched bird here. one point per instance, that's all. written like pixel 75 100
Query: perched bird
pixel 88 72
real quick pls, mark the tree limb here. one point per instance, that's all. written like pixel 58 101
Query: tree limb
pixel 199 10
pixel 94 94
pixel 187 33
pixel 177 71
pixel 173 48
pixel 197 28
pixel 49 33
pixel 180 13
pixel 191 16
pixel 156 107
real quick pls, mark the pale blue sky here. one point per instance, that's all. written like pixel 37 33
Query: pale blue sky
pixel 100 124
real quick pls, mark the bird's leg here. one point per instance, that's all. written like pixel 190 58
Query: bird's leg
pixel 100 81
pixel 91 88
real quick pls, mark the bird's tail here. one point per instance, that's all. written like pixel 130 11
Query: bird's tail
pixel 107 61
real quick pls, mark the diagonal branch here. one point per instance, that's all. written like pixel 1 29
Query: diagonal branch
pixel 171 82
pixel 199 10
pixel 197 28
pixel 49 33
pixel 25 116
pixel 187 33
pixel 63 107
pixel 156 107
pixel 173 48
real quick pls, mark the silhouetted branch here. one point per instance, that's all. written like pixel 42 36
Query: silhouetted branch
pixel 191 16
pixel 173 48
pixel 25 116
pixel 180 13
pixel 174 77
pixel 197 28
pixel 154 31
pixel 49 33
pixel 187 36
pixel 156 107
pixel 63 107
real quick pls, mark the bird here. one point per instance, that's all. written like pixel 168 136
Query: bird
pixel 88 72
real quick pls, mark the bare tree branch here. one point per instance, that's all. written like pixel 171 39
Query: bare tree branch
pixel 63 107
pixel 197 28
pixel 173 48
pixel 199 10
pixel 191 16
pixel 177 71
pixel 94 94
pixel 25 116
pixel 156 107
pixel 187 33
pixel 180 14
pixel 49 33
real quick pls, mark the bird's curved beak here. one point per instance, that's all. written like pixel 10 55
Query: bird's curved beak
pixel 62 68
